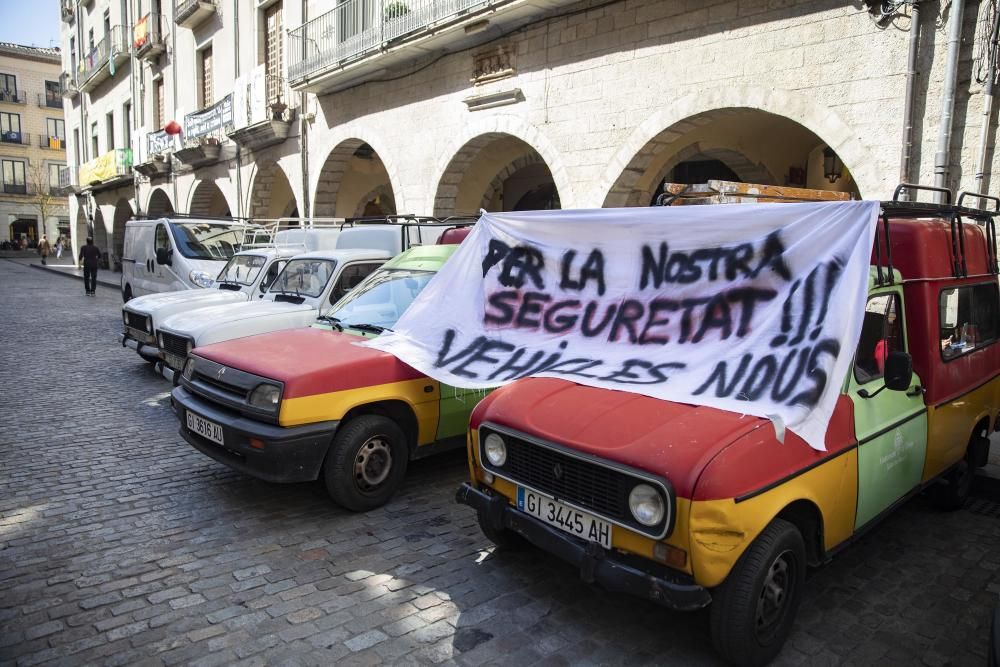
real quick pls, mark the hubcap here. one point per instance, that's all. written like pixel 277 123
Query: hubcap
pixel 372 463
pixel 774 596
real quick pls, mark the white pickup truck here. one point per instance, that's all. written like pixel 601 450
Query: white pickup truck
pixel 246 275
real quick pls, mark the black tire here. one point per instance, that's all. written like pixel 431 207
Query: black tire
pixel 951 494
pixel 366 463
pixel 504 539
pixel 752 612
pixel 127 294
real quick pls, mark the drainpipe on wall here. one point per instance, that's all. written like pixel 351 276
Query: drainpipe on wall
pixel 306 211
pixel 136 70
pixel 911 75
pixel 942 162
pixel 236 76
pixel 984 132
pixel 173 84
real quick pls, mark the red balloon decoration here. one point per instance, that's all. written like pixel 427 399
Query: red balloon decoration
pixel 173 127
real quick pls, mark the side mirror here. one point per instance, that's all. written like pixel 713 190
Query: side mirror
pixel 898 371
pixel 163 256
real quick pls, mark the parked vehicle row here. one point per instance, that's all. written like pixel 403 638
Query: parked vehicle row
pixel 731 518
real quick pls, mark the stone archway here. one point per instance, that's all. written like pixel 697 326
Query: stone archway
pixel 351 178
pixel 123 213
pixel 492 171
pixel 159 204
pixel 771 122
pixel 207 199
pixel 271 194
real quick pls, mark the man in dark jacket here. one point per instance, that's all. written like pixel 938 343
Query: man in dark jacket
pixel 90 257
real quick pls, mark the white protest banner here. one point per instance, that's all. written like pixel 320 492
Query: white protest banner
pixel 754 308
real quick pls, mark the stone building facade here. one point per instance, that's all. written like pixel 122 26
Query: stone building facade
pixel 317 108
pixel 32 145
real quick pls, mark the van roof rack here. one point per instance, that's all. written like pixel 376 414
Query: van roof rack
pixel 191 216
pixel 412 219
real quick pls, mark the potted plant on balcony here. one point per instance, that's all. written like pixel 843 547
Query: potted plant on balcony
pixel 394 10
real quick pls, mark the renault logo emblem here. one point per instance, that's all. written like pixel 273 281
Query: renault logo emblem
pixel 557 471
pixel 220 373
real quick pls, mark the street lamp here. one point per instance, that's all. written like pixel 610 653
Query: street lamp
pixel 833 168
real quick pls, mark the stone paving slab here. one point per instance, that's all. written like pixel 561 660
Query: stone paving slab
pixel 120 545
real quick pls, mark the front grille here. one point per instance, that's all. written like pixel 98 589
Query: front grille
pixel 591 485
pixel 238 393
pixel 173 344
pixel 595 487
pixel 137 321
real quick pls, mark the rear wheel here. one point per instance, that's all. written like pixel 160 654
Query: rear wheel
pixel 752 612
pixel 366 463
pixel 956 488
pixel 127 294
pixel 504 538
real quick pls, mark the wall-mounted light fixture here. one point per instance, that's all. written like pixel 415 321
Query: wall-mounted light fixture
pixel 833 168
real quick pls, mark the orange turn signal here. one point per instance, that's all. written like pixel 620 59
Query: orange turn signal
pixel 670 555
pixel 256 443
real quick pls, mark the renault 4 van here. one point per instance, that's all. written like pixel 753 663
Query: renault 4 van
pixel 691 507
pixel 307 404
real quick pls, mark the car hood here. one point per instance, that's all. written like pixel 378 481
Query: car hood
pixel 195 323
pixel 676 441
pixel 310 361
pixel 165 304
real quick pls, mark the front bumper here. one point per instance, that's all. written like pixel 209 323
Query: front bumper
pixel 168 373
pixel 293 454
pixel 145 350
pixel 595 563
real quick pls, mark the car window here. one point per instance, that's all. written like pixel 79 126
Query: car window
pixel 381 298
pixel 881 333
pixel 968 317
pixel 207 240
pixel 242 269
pixel 272 273
pixel 304 277
pixel 350 278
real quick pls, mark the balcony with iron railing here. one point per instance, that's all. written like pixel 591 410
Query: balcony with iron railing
pixel 15 137
pixel 52 143
pixel 51 99
pixel 148 36
pixel 70 88
pixel 67 9
pixel 16 189
pixel 109 168
pixel 13 96
pixel 67 181
pixel 260 125
pixel 359 37
pixel 102 60
pixel 192 13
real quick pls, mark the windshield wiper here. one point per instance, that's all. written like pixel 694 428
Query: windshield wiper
pixel 373 328
pixel 335 322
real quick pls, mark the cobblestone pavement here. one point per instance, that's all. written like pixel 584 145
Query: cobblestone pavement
pixel 120 544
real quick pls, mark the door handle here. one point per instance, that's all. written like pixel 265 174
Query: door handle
pixel 916 391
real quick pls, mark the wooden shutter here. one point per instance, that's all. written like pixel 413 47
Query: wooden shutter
pixel 273 52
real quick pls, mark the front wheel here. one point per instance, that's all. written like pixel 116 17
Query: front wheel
pixel 753 610
pixel 366 463
pixel 951 494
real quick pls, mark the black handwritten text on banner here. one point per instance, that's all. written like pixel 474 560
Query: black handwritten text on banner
pixel 751 308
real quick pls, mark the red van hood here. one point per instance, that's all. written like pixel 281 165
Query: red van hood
pixel 674 440
pixel 310 361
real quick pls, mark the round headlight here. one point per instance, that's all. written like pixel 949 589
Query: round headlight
pixel 201 278
pixel 496 449
pixel 189 368
pixel 646 505
pixel 265 396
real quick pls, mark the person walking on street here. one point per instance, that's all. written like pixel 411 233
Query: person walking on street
pixel 44 248
pixel 59 247
pixel 90 257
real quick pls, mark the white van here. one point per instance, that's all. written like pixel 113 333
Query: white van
pixel 246 276
pixel 176 253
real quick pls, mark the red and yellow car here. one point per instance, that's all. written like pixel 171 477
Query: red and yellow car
pixel 692 506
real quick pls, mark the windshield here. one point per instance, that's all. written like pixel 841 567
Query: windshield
pixel 381 298
pixel 304 277
pixel 242 269
pixel 207 240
